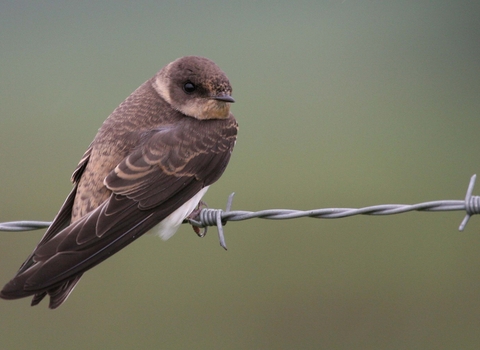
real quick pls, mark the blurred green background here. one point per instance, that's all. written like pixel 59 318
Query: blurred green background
pixel 340 104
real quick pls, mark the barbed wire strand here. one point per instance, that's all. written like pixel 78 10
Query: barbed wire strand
pixel 217 217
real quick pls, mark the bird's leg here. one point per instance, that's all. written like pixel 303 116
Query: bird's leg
pixel 194 215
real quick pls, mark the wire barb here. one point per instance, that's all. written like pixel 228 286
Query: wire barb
pixel 217 217
pixel 472 203
pixel 214 217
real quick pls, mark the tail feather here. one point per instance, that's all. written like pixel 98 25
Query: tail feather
pixel 57 294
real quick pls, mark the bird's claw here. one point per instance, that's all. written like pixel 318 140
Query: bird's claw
pixel 194 215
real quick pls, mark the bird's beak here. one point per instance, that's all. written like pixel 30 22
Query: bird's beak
pixel 224 98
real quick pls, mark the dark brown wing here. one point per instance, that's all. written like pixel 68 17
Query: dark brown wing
pixel 170 167
pixel 61 220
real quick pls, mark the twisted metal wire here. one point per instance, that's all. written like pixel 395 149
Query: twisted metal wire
pixel 217 217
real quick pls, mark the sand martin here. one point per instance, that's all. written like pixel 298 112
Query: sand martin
pixel 147 168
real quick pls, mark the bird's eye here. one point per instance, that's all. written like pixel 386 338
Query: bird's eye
pixel 189 87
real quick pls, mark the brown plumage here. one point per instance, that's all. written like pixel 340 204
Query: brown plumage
pixel 150 163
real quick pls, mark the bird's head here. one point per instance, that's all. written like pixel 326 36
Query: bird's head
pixel 196 87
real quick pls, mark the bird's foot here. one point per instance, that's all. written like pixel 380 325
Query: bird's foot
pixel 194 215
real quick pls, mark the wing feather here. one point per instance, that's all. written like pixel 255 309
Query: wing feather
pixel 171 165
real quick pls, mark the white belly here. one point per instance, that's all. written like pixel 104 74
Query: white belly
pixel 168 226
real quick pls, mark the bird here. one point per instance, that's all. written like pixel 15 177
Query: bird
pixel 147 169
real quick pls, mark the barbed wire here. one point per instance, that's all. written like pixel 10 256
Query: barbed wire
pixel 217 217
